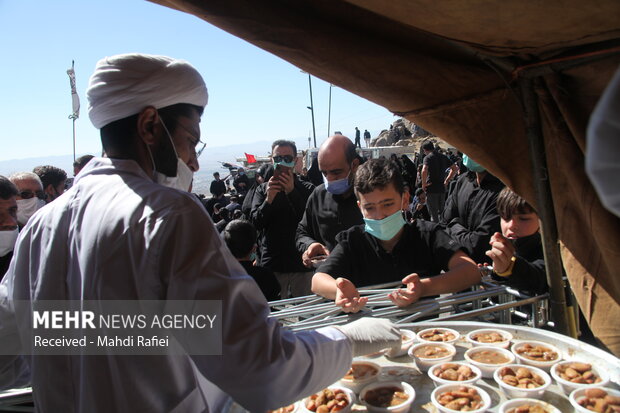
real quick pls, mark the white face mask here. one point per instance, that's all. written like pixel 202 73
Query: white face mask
pixel 27 207
pixel 184 177
pixel 7 241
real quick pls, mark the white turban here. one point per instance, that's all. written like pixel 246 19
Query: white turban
pixel 123 85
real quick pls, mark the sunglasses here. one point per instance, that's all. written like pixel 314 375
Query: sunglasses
pixel 283 158
pixel 30 194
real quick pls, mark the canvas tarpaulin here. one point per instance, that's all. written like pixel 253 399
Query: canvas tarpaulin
pixel 452 67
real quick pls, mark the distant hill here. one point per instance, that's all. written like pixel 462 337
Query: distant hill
pixel 209 161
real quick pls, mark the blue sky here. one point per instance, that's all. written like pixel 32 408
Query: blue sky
pixel 254 95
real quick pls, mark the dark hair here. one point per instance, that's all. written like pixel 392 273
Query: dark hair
pixel 7 188
pixel 82 161
pixel 509 203
pixel 283 142
pixel 428 145
pixel 50 175
pixel 240 236
pixel 377 173
pixel 238 214
pixel 119 135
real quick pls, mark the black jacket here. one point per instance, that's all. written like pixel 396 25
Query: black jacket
pixel 326 215
pixel 470 214
pixel 277 224
pixel 266 280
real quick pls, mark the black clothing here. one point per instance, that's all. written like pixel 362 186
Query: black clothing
pixel 217 188
pixel 221 224
pixel 357 138
pixel 528 274
pixel 223 201
pixel 420 213
pixel 424 248
pixel 314 175
pixel 470 214
pixel 242 179
pixel 5 260
pixel 277 224
pixel 266 280
pixel 326 215
pixel 437 164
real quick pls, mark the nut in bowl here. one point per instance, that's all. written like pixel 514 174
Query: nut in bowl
pixel 595 399
pixel 435 335
pixel 408 338
pixel 330 400
pixel 454 372
pixel 429 354
pixel 489 358
pixel 522 405
pixel 451 398
pixel 571 375
pixel 288 409
pixel 537 354
pixel 489 337
pixel 388 397
pixel 360 374
pixel 517 381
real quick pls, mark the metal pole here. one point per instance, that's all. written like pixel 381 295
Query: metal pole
pixel 329 112
pixel 73 139
pixel 312 108
pixel 551 249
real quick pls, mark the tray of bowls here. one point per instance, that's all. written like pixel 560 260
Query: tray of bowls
pixel 462 366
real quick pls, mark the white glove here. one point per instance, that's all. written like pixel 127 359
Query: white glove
pixel 369 335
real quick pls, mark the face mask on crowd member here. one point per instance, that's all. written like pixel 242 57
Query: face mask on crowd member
pixel 8 216
pixel 7 241
pixel 30 197
pixel 338 162
pixel 338 186
pixel 472 165
pixel 27 207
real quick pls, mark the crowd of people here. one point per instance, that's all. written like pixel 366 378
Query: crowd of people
pixel 130 229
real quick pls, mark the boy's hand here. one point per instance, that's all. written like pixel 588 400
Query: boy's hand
pixel 501 252
pixel 410 294
pixel 347 296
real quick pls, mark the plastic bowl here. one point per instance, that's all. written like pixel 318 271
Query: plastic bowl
pixel 488 369
pixel 455 333
pixel 424 363
pixel 438 381
pixel 568 386
pixel 350 397
pixel 356 385
pixel 408 339
pixel 577 394
pixel 511 404
pixel 401 408
pixel 545 365
pixel 486 399
pixel 503 344
pixel 513 392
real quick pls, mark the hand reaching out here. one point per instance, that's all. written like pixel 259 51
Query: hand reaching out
pixel 410 294
pixel 348 297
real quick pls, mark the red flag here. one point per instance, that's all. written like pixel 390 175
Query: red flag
pixel 250 158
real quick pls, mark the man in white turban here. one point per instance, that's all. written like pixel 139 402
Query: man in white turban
pixel 120 234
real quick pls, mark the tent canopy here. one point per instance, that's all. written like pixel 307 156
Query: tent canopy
pixel 453 67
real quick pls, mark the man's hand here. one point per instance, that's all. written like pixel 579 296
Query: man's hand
pixel 287 181
pixel 369 335
pixel 409 295
pixel 313 250
pixel 501 252
pixel 348 297
pixel 273 187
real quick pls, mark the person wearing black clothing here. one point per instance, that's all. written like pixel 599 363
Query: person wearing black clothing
pixel 218 187
pixel 8 222
pixel 388 249
pixel 470 214
pixel 367 137
pixel 277 208
pixel 262 174
pixel 332 206
pixel 434 179
pixel 358 143
pixel 239 236
pixel 419 208
pixel 241 182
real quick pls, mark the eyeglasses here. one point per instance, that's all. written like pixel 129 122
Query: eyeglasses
pixel 30 194
pixel 283 158
pixel 197 144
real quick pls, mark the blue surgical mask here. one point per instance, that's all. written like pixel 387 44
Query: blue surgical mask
pixel 287 164
pixel 339 186
pixel 385 229
pixel 253 256
pixel 472 165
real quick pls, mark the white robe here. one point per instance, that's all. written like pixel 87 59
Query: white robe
pixel 117 235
